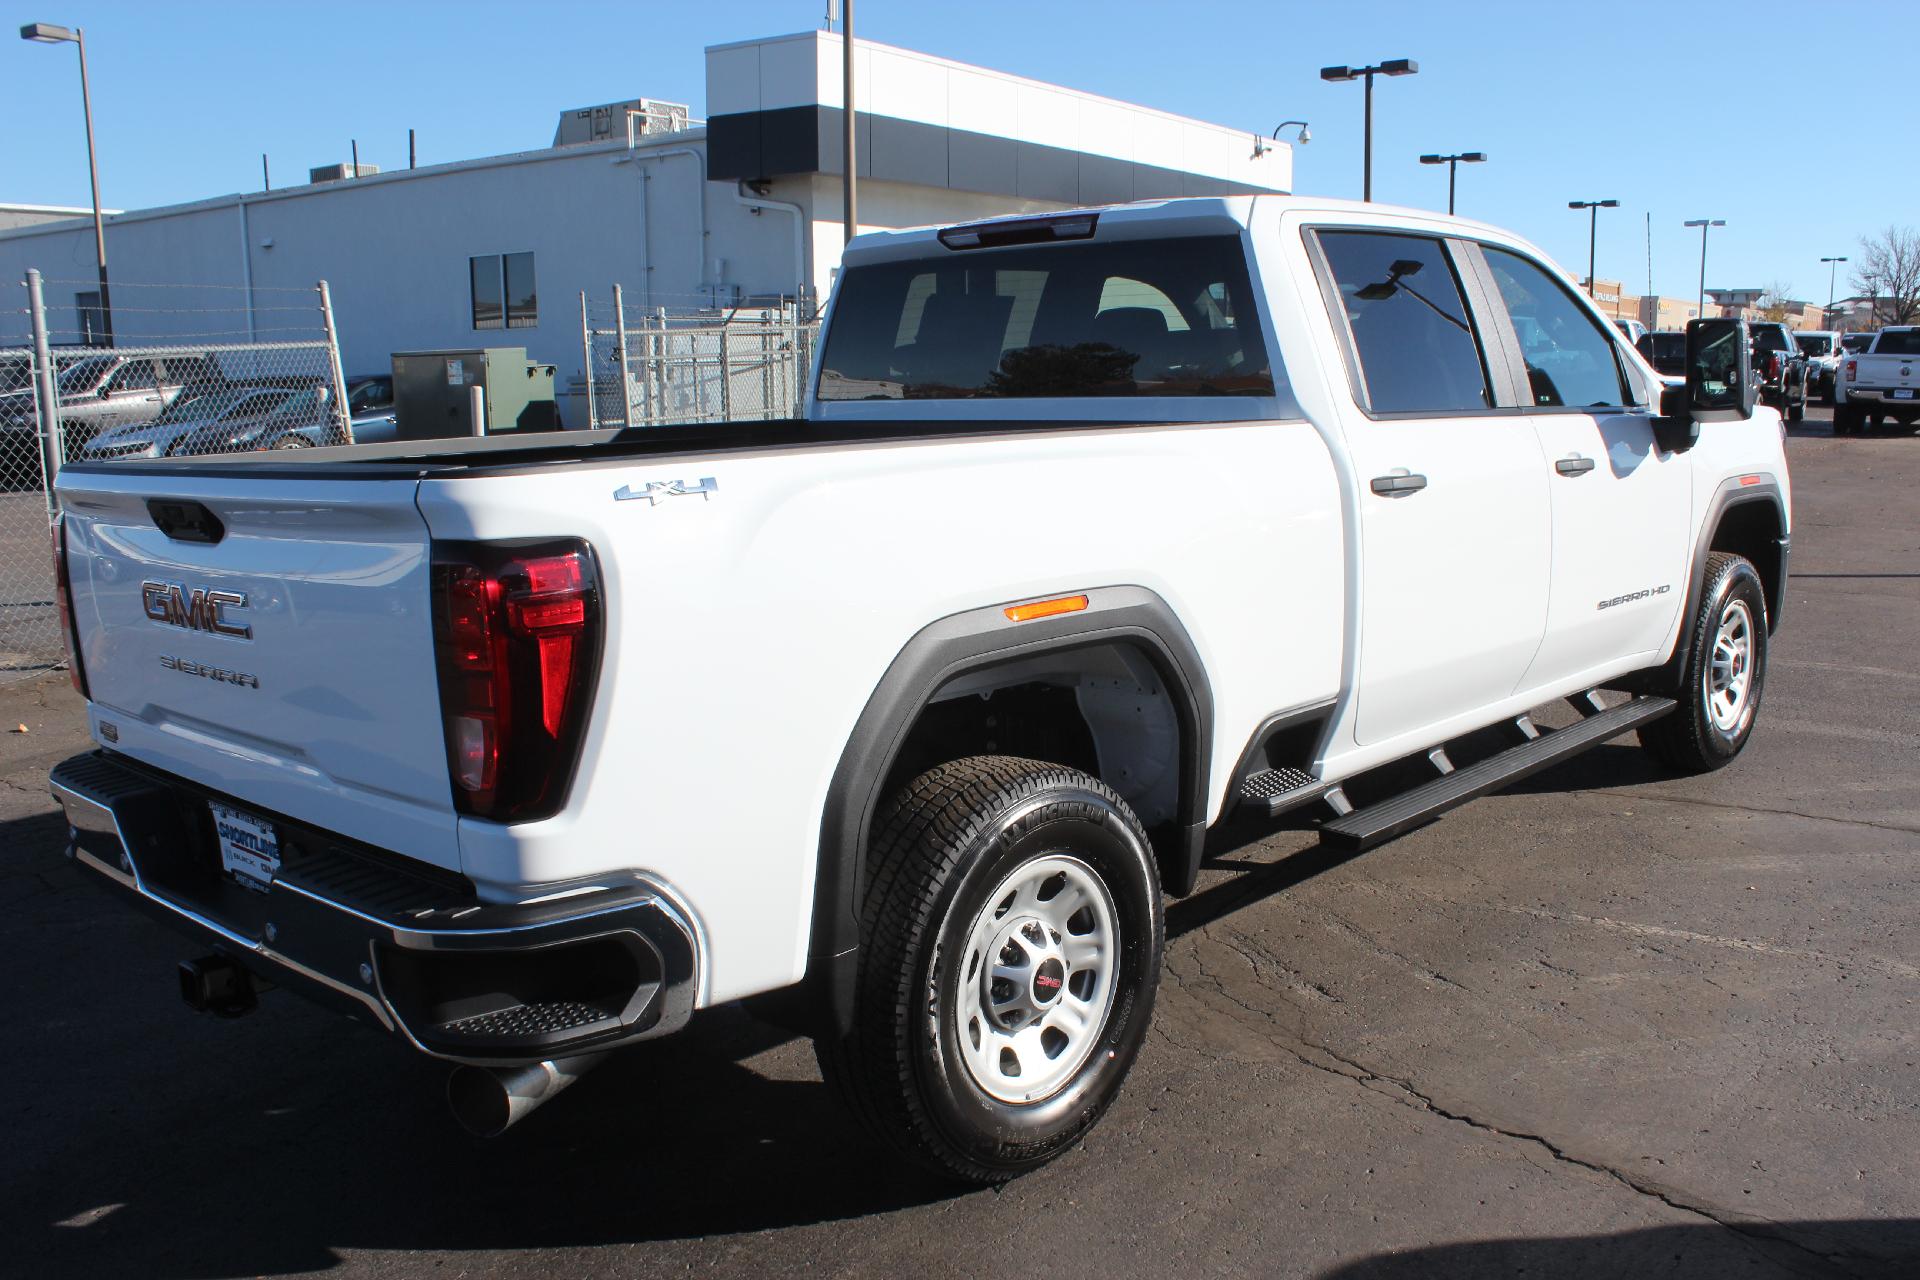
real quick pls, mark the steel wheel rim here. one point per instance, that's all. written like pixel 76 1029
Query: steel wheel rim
pixel 1727 683
pixel 1035 979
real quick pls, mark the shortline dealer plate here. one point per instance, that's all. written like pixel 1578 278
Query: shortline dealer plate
pixel 249 846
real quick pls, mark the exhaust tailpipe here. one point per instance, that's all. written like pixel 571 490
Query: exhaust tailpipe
pixel 487 1101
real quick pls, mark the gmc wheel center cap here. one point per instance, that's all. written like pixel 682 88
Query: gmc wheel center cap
pixel 1048 980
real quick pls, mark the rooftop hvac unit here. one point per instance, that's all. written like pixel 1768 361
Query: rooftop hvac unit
pixel 337 172
pixel 609 122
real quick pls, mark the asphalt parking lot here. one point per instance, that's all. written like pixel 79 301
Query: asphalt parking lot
pixel 1604 1024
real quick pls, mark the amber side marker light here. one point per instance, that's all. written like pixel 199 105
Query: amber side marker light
pixel 1045 608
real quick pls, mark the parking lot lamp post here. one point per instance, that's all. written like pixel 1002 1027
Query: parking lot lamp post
pixel 1593 229
pixel 1453 164
pixel 1700 306
pixel 1833 265
pixel 47 33
pixel 1391 67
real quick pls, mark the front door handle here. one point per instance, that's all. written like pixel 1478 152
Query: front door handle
pixel 1397 483
pixel 1574 466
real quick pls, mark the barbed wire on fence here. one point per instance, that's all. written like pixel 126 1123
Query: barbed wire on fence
pixel 177 381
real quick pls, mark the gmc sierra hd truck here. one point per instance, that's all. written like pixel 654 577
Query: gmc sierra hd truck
pixel 900 721
pixel 1879 383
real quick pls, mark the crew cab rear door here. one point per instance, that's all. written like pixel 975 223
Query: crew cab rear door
pixel 1454 521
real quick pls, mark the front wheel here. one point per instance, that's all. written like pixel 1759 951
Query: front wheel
pixel 1725 673
pixel 1011 944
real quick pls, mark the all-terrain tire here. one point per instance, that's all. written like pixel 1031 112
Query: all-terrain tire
pixel 1724 676
pixel 944 851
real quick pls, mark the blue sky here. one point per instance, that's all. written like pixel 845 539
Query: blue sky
pixel 1682 110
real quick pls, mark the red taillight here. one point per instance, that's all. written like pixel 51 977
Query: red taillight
pixel 1853 367
pixel 1773 366
pixel 517 628
pixel 63 598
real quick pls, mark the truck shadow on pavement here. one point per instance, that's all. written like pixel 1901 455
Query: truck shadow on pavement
pixel 160 1142
pixel 1600 768
pixel 1846 1247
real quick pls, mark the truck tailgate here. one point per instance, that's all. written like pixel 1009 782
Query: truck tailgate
pixel 307 685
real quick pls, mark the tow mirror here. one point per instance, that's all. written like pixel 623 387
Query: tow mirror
pixel 1720 384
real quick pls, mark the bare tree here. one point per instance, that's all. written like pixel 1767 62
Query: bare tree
pixel 1889 273
pixel 1774 303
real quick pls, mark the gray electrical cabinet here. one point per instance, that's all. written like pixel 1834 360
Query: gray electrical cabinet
pixel 433 393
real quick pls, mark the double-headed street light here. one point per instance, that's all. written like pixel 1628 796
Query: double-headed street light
pixel 1833 265
pixel 1392 67
pixel 1700 307
pixel 1453 164
pixel 47 33
pixel 1593 229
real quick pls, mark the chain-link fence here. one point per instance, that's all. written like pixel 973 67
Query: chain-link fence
pixel 692 367
pixel 184 373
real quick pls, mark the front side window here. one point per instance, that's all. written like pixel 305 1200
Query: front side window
pixel 1122 318
pixel 134 375
pixel 1570 359
pixel 1411 334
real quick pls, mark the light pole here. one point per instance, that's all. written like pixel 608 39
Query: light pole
pixel 1833 265
pixel 1453 164
pixel 1593 229
pixel 47 33
pixel 1392 67
pixel 1700 307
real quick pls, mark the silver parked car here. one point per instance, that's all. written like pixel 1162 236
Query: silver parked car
pixel 301 420
pixel 217 415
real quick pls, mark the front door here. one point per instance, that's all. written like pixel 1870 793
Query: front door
pixel 1454 519
pixel 1621 507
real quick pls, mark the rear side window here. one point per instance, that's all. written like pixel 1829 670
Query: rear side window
pixel 1903 343
pixel 1415 344
pixel 1570 359
pixel 1126 318
pixel 134 375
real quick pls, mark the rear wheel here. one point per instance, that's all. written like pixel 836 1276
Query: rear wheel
pixel 1724 676
pixel 293 442
pixel 1797 408
pixel 1011 949
pixel 1846 420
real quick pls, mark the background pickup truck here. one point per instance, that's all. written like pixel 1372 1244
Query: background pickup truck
pixel 899 721
pixel 1879 384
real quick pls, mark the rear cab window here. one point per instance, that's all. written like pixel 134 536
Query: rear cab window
pixel 1898 342
pixel 1124 319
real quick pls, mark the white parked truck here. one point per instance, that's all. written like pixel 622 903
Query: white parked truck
pixel 901 720
pixel 1879 383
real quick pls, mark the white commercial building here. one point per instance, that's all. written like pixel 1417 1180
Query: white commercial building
pixel 744 207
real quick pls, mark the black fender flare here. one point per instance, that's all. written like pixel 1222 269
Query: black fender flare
pixel 956 645
pixel 1733 493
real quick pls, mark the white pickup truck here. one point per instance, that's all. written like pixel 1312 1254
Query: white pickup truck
pixel 1879 383
pixel 901 719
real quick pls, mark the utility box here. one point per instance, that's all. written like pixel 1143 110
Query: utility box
pixel 433 393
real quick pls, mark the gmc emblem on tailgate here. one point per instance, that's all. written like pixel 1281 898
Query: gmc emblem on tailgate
pixel 195 610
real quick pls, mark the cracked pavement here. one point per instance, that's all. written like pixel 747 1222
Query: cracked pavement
pixel 1607 1023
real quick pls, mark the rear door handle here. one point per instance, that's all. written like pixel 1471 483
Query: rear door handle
pixel 1574 466
pixel 1398 482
